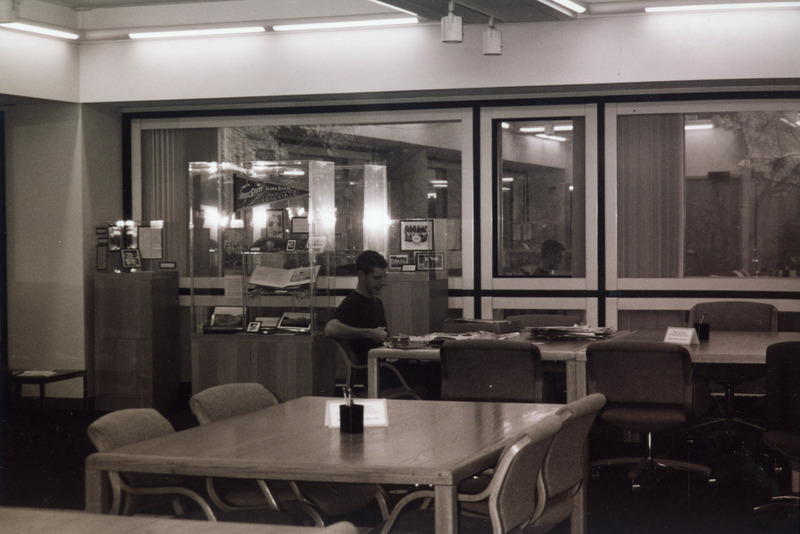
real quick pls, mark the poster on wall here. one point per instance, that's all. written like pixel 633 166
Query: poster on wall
pixel 416 235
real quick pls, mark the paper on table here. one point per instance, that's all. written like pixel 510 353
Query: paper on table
pixel 375 412
pixel 681 336
pixel 32 372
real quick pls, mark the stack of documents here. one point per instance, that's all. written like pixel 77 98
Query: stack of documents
pixel 569 332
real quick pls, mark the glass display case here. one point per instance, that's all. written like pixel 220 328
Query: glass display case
pixel 268 241
pixel 261 234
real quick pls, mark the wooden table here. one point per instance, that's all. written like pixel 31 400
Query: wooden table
pixel 725 347
pixel 46 521
pixel 426 442
pixel 42 378
pixel 572 352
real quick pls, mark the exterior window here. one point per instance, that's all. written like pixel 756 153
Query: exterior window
pixel 540 190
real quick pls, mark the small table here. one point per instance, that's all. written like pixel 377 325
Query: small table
pixel 42 378
pixel 435 443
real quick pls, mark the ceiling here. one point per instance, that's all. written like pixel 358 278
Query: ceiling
pixel 99 14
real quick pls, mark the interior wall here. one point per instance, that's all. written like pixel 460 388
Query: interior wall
pixel 612 50
pixel 63 170
pixel 38 67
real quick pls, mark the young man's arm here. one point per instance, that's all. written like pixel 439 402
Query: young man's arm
pixel 336 328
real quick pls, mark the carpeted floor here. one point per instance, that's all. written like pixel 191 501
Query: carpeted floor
pixel 43 454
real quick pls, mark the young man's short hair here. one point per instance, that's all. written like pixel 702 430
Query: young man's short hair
pixel 368 260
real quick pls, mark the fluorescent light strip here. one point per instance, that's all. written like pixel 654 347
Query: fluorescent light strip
pixel 689 127
pixel 720 7
pixel 532 129
pixel 569 4
pixel 197 33
pixel 552 137
pixel 344 24
pixel 40 30
pixel 390 6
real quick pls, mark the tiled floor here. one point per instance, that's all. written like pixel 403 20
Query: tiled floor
pixel 43 454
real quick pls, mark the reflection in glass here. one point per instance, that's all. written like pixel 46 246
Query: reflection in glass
pixel 422 162
pixel 742 193
pixel 540 197
pixel 709 194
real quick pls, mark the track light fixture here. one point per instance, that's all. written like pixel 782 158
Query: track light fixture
pixel 492 40
pixel 452 30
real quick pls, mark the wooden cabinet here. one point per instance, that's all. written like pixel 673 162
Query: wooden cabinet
pixel 137 340
pixel 290 366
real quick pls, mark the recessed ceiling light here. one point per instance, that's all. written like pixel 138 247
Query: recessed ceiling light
pixel 196 33
pixel 41 30
pixel 344 24
pixel 721 7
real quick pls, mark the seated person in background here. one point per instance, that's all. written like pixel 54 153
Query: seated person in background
pixel 360 317
pixel 361 320
pixel 551 256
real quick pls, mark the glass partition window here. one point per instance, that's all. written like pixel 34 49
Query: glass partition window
pixel 709 194
pixel 421 161
pixel 540 191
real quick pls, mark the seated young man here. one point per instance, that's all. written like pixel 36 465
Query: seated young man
pixel 361 320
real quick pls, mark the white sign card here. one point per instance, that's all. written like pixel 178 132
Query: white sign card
pixel 682 336
pixel 375 413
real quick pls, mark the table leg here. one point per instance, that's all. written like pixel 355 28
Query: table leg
pixel 576 379
pixel 373 379
pixel 446 508
pixel 97 491
pixel 41 395
pixel 571 371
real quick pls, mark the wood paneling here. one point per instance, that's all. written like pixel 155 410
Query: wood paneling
pixel 137 340
pixel 290 366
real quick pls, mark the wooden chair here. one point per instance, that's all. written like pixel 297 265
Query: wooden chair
pixel 491 370
pixel 782 434
pixel 507 504
pixel 650 388
pixel 317 500
pixel 125 427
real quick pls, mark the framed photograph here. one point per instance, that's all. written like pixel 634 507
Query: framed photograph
pixel 416 235
pixel 234 242
pixel 275 223
pixel 430 261
pixel 131 258
pixel 300 225
pixel 102 257
pixel 254 326
pixel 227 316
pixel 291 245
pixel 397 261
